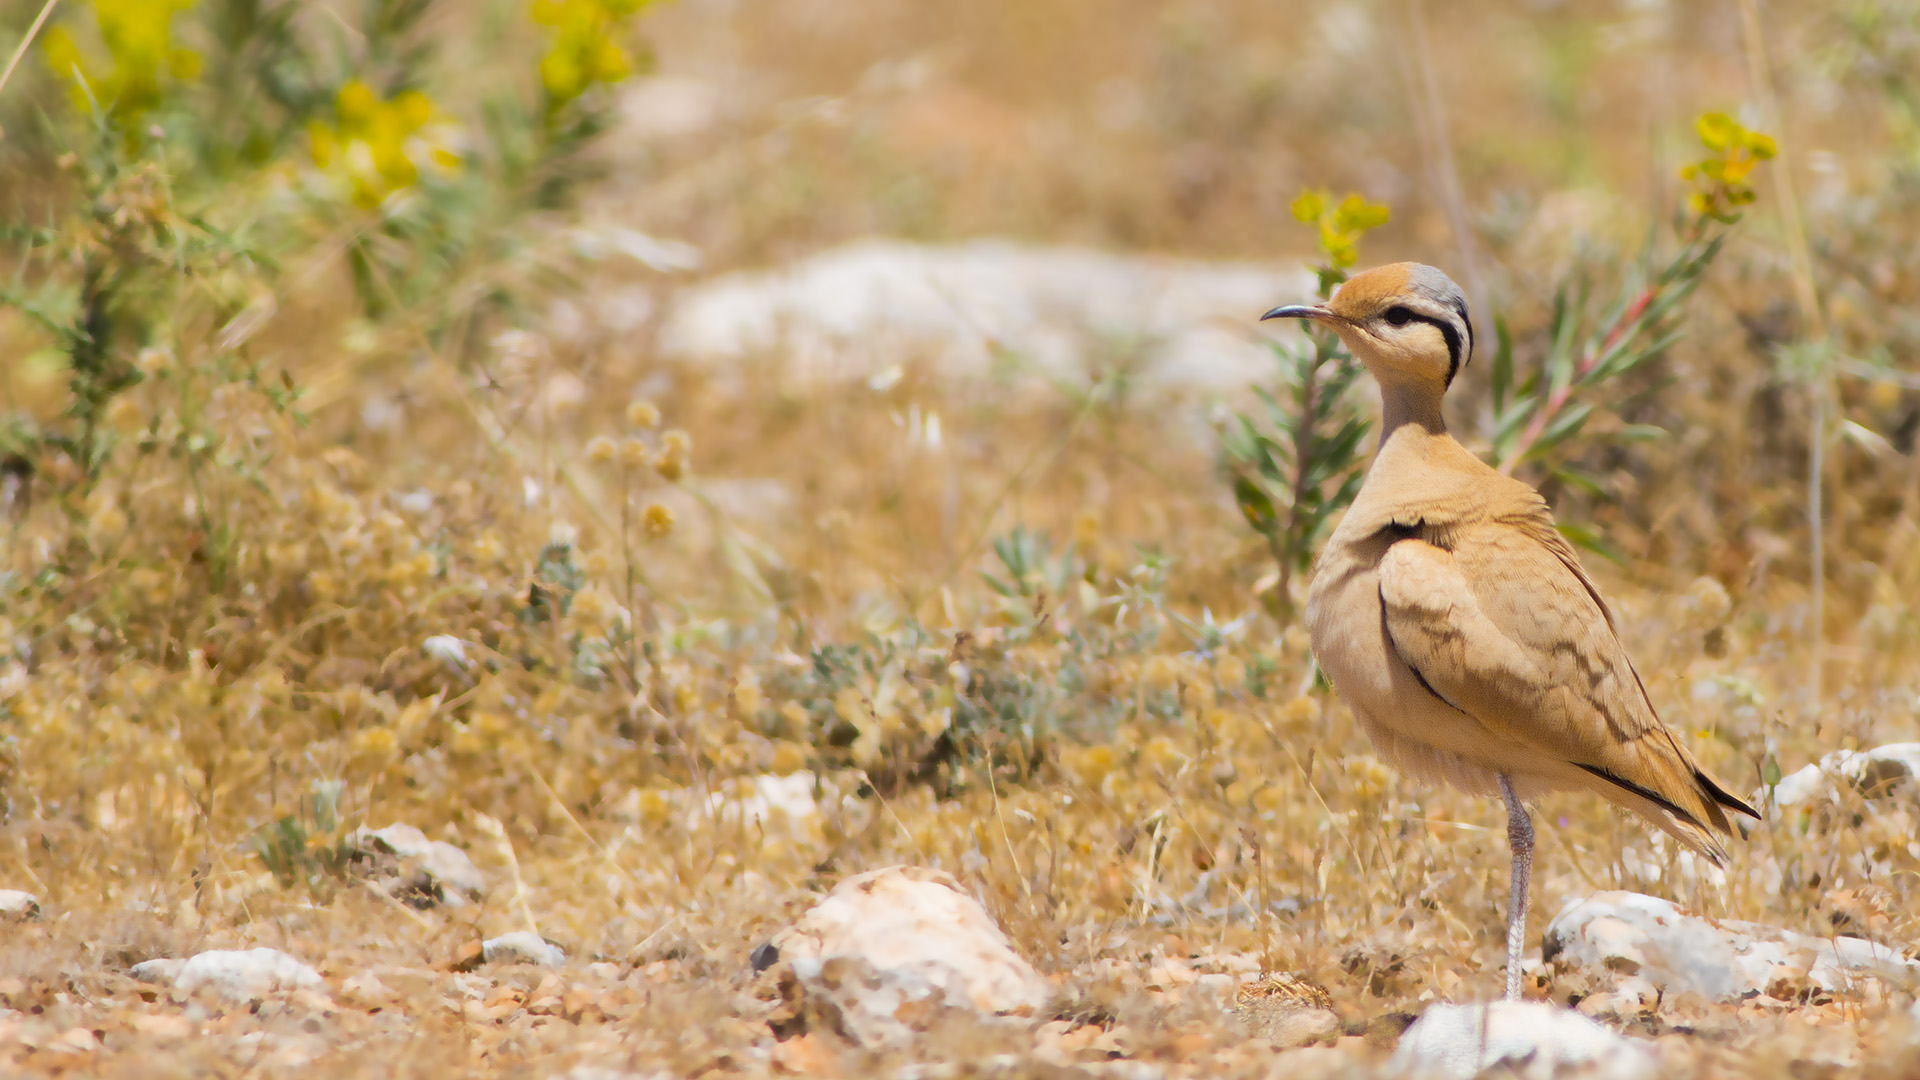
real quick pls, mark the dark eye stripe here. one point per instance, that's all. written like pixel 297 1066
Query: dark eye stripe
pixel 1447 331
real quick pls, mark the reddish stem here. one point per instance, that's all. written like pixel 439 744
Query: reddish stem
pixel 1558 399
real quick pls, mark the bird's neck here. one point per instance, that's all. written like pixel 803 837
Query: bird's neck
pixel 1410 402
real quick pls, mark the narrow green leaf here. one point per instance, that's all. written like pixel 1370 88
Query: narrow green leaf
pixel 1581 536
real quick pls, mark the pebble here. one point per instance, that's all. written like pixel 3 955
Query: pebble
pixel 18 906
pixel 420 871
pixel 1287 1011
pixel 235 975
pixel 1524 1038
pixel 522 947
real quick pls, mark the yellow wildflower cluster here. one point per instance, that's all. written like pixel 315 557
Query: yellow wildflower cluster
pixel 378 145
pixel 583 51
pixel 1341 224
pixel 1719 182
pixel 139 38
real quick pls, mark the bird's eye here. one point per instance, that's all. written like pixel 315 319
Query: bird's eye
pixel 1398 316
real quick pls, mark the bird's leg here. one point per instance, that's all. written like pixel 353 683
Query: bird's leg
pixel 1520 839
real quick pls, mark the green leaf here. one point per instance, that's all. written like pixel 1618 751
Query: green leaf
pixel 1255 506
pixel 1579 478
pixel 1581 536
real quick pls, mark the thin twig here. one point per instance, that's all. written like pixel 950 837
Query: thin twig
pixel 32 32
pixel 1813 317
pixel 582 830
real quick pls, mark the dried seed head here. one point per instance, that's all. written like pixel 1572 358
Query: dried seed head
pixel 675 448
pixel 644 415
pixel 657 520
pixel 633 453
pixel 600 450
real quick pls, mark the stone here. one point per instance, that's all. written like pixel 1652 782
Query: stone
pixel 1876 773
pixel 522 947
pixel 887 947
pixel 1287 1011
pixel 412 868
pixel 18 906
pixel 1645 937
pixel 233 975
pixel 1526 1038
pixel 853 311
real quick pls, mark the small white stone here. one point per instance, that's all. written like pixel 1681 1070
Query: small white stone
pixel 235 975
pixel 1532 1039
pixel 447 649
pixel 18 906
pixel 430 871
pixel 522 947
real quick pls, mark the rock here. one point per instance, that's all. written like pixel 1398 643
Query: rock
pixel 18 906
pixel 522 947
pixel 420 871
pixel 76 1040
pixel 1532 1039
pixel 235 975
pixel 1631 934
pixel 1875 773
pixel 1287 1011
pixel 888 946
pixel 853 311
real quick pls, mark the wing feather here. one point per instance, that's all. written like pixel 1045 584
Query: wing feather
pixel 1502 624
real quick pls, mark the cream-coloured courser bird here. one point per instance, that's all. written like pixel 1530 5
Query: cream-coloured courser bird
pixel 1455 620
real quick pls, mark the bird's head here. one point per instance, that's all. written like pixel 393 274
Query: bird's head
pixel 1406 321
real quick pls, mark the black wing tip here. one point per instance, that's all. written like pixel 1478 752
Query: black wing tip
pixel 1644 792
pixel 1724 797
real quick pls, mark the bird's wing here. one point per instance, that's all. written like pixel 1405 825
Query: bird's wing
pixel 1503 625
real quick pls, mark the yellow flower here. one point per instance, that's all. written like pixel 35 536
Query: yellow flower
pixel 1720 181
pixel 600 450
pixel 1340 224
pixel 582 51
pixel 378 146
pixel 138 35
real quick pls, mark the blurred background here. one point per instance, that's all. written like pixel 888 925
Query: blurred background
pixel 415 407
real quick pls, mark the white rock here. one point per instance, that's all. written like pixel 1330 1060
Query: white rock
pixel 856 310
pixel 1532 1039
pixel 17 905
pixel 1875 772
pixel 887 938
pixel 1634 934
pixel 447 649
pixel 424 872
pixel 758 801
pixel 236 975
pixel 522 947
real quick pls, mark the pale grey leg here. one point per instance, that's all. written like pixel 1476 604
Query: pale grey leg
pixel 1520 840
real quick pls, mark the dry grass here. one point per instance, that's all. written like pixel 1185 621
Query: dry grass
pixel 195 648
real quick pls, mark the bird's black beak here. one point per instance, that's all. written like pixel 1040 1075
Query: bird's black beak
pixel 1297 311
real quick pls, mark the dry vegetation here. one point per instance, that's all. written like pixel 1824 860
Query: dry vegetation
pixel 326 432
